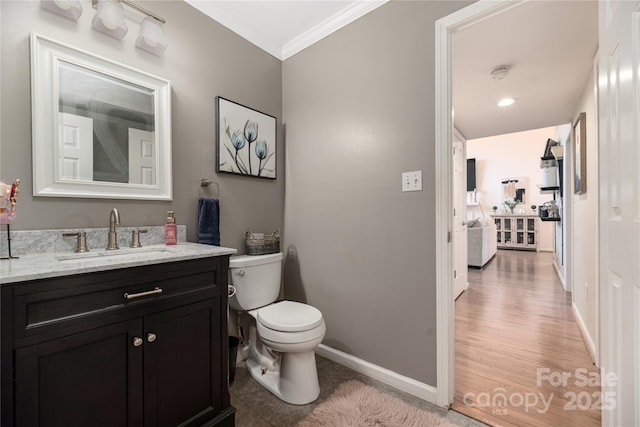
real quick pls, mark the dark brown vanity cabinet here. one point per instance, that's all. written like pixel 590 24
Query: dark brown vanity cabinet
pixel 83 354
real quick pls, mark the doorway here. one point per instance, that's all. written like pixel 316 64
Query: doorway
pixel 445 28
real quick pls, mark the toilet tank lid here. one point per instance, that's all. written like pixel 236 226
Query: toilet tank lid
pixel 251 260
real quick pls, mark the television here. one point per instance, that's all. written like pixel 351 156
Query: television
pixel 471 174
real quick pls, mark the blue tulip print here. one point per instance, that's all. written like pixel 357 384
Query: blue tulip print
pixel 249 144
pixel 250 135
pixel 262 151
pixel 237 140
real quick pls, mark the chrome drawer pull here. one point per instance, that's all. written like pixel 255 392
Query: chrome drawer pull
pixel 143 294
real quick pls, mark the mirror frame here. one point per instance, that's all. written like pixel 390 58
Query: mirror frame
pixel 45 57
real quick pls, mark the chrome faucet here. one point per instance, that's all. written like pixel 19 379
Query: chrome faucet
pixel 114 219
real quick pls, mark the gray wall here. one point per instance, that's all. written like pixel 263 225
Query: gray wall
pixel 203 60
pixel 358 111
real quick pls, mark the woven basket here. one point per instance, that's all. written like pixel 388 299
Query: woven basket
pixel 262 244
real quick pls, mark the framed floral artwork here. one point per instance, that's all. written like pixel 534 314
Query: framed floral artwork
pixel 580 154
pixel 245 140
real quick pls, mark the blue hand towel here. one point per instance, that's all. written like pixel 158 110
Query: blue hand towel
pixel 209 221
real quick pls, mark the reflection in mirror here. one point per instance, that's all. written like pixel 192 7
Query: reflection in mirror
pixel 114 122
pixel 100 129
pixel 514 188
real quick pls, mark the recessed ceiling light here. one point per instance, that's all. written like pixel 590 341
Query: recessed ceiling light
pixel 505 102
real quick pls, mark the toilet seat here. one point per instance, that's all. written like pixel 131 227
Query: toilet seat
pixel 275 338
pixel 289 322
pixel 289 316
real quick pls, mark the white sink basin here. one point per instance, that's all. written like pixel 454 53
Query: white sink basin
pixel 133 254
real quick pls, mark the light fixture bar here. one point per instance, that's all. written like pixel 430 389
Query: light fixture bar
pixel 131 4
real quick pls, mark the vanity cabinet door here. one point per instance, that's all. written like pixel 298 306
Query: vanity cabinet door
pixel 183 365
pixel 92 378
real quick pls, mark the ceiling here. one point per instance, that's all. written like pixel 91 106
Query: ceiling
pixel 548 45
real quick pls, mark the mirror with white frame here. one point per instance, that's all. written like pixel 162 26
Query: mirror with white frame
pixel 100 129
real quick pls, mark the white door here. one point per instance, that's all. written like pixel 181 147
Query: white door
pixel 142 157
pixel 619 180
pixel 75 156
pixel 459 217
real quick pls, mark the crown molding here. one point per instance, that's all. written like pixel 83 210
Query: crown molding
pixel 329 26
pixel 306 39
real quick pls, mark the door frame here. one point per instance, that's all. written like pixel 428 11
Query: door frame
pixel 464 254
pixel 445 328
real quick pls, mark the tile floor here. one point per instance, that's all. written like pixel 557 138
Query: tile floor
pixel 256 407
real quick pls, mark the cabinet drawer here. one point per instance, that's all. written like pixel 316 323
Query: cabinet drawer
pixel 43 306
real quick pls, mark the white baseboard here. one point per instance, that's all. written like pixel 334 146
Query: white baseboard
pixel 585 333
pixel 560 274
pixel 408 385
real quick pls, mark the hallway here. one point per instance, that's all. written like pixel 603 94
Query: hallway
pixel 520 357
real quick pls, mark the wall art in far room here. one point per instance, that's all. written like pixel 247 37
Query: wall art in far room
pixel 245 139
pixel 580 153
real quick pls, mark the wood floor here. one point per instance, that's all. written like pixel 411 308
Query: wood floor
pixel 516 338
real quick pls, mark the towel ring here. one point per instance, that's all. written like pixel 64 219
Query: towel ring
pixel 206 182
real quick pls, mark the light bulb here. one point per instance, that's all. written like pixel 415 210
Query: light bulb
pixel 71 9
pixel 110 19
pixel 109 22
pixel 150 42
pixel 151 37
pixel 505 102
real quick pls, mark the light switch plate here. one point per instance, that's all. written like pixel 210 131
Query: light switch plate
pixel 412 181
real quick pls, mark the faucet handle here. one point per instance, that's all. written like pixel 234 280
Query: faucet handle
pixel 135 238
pixel 81 243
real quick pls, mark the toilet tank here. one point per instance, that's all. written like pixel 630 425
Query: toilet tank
pixel 256 279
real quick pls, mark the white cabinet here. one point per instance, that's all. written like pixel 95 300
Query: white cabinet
pixel 517 231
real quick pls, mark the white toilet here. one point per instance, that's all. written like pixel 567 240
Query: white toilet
pixel 282 335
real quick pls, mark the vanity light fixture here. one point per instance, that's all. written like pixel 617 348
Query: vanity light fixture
pixel 109 19
pixel 151 37
pixel 505 102
pixel 71 9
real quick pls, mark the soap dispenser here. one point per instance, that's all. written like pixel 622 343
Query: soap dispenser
pixel 170 230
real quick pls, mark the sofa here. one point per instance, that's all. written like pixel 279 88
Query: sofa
pixel 481 242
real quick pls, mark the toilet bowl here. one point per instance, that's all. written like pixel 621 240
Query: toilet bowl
pixel 282 335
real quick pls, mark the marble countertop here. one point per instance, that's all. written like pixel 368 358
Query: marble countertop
pixel 47 265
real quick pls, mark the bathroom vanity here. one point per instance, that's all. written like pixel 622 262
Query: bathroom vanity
pixel 126 339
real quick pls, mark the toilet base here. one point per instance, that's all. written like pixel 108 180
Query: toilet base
pixel 297 379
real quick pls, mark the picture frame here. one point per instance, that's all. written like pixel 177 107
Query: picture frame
pixel 580 154
pixel 245 140
pixel 547 149
pixel 513 188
